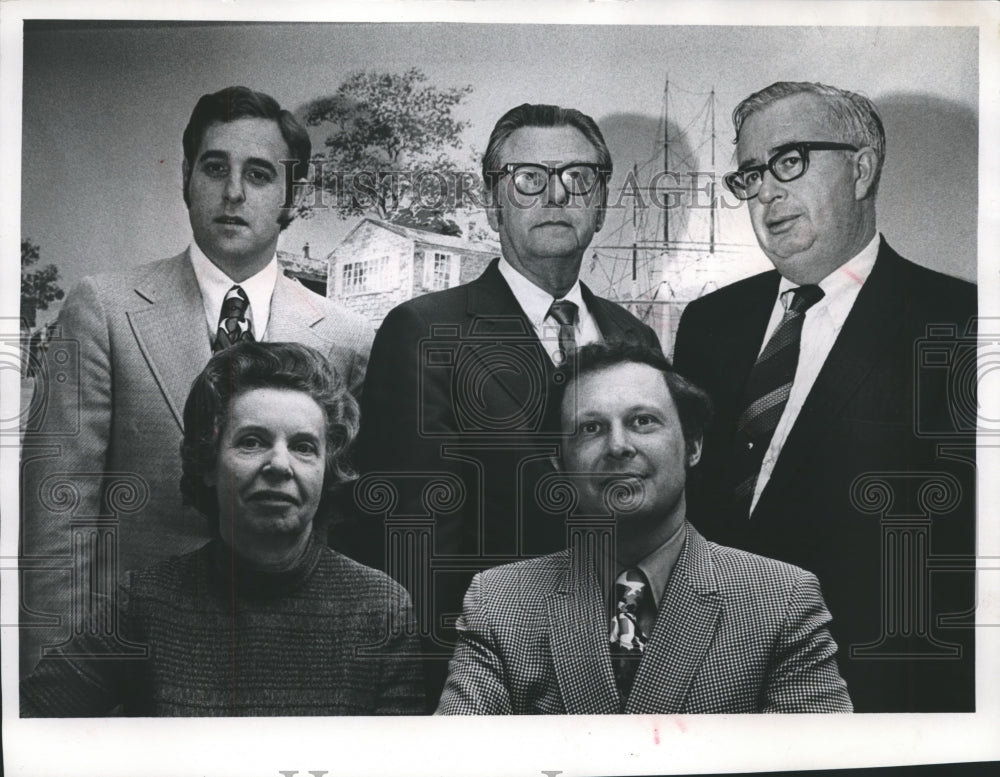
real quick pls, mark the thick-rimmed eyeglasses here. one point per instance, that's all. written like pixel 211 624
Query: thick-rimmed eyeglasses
pixel 790 161
pixel 530 178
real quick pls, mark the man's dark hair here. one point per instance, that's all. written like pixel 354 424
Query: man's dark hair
pixel 694 408
pixel 528 115
pixel 240 102
pixel 247 366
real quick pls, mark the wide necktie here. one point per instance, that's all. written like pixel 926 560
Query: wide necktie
pixel 565 313
pixel 768 388
pixel 634 605
pixel 233 323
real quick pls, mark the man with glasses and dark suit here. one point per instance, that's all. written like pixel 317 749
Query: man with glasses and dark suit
pixel 457 399
pixel 825 451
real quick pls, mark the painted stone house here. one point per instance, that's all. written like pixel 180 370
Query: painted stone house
pixel 378 265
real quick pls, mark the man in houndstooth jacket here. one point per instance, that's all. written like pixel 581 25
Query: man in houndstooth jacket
pixel 717 630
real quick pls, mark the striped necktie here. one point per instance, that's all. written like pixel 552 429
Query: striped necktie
pixel 565 313
pixel 233 322
pixel 767 391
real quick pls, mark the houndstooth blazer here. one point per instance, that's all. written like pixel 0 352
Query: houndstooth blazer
pixel 735 633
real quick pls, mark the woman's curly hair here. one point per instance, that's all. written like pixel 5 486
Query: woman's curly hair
pixel 247 366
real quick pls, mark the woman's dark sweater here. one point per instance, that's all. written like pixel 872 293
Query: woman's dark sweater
pixel 329 637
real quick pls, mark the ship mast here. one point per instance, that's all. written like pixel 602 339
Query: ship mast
pixel 711 186
pixel 666 159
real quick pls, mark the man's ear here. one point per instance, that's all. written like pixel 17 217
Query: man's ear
pixel 603 210
pixel 304 187
pixel 302 190
pixel 494 215
pixel 865 166
pixel 694 452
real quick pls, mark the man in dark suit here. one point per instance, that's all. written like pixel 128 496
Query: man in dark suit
pixel 457 416
pixel 831 406
pixel 104 470
pixel 644 615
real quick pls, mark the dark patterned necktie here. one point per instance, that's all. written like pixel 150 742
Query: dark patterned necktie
pixel 767 391
pixel 633 606
pixel 565 313
pixel 233 323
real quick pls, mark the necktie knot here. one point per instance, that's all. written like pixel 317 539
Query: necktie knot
pixel 233 323
pixel 802 298
pixel 564 312
pixel 235 303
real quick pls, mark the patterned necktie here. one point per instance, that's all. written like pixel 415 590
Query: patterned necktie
pixel 627 640
pixel 233 323
pixel 767 391
pixel 564 313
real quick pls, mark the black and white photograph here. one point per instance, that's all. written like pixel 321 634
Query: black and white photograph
pixel 385 372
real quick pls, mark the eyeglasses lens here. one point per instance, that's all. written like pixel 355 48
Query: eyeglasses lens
pixel 787 166
pixel 576 179
pixel 530 180
pixel 579 180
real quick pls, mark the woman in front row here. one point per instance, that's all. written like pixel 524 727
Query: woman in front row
pixel 264 619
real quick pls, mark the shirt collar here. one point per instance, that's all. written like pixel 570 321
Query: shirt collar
pixel 535 301
pixel 214 284
pixel 841 287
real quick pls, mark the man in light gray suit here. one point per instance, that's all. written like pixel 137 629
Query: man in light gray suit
pixel 657 619
pixel 100 479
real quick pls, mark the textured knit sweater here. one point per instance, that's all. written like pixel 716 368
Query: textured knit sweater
pixel 329 637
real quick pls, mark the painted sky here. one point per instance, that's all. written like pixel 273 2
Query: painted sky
pixel 104 106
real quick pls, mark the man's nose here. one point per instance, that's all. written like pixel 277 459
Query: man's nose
pixel 556 193
pixel 770 188
pixel 234 187
pixel 620 444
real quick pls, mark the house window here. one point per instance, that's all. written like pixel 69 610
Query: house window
pixel 368 275
pixel 440 270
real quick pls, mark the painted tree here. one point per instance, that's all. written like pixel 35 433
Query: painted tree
pixel 39 287
pixel 392 147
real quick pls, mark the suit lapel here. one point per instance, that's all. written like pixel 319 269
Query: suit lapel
pixel 612 320
pixel 869 328
pixel 579 643
pixel 294 314
pixel 685 627
pixel 495 314
pixel 168 321
pixel 743 339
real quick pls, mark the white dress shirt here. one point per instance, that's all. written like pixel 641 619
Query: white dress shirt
pixel 535 303
pixel 822 324
pixel 214 284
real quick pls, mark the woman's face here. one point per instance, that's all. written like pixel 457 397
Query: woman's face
pixel 269 473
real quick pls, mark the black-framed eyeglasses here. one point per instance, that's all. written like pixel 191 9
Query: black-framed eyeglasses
pixel 790 161
pixel 530 178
